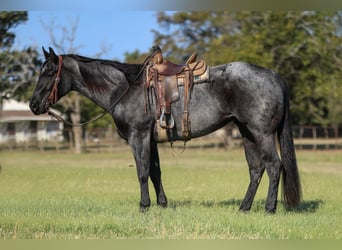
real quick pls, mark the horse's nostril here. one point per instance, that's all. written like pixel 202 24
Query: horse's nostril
pixel 33 107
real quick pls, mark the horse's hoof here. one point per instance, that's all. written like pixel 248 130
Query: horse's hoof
pixel 270 211
pixel 143 209
pixel 243 210
pixel 162 204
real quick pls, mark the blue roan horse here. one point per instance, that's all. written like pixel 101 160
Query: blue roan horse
pixel 254 98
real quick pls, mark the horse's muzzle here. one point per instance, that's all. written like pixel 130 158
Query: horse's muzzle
pixel 36 108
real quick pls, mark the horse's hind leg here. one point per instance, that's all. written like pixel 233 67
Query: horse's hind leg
pixel 155 175
pixel 260 155
pixel 256 170
pixel 272 164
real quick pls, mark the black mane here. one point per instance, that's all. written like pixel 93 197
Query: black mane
pixel 131 71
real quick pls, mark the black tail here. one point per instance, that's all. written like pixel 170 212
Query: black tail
pixel 291 182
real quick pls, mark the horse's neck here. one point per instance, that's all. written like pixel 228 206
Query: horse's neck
pixel 96 86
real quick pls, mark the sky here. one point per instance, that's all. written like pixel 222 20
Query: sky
pixel 120 31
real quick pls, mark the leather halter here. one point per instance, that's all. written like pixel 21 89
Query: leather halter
pixel 53 97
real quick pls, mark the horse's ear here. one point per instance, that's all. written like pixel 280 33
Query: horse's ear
pixel 52 52
pixel 46 54
pixel 53 55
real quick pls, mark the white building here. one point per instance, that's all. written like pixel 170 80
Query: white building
pixel 19 125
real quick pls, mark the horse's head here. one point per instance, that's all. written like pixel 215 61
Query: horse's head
pixel 52 83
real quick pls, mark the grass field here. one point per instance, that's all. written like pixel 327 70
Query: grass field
pixel 65 196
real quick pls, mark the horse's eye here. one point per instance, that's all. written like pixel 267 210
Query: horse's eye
pixel 49 70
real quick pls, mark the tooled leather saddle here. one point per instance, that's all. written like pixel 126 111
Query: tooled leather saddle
pixel 165 77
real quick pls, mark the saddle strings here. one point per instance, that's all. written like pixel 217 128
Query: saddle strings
pixel 146 61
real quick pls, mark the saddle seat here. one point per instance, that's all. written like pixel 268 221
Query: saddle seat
pixel 167 68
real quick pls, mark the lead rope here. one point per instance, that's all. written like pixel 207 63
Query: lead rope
pixel 61 119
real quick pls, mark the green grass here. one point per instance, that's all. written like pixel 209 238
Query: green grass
pixel 65 196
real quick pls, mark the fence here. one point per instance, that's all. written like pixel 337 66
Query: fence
pixel 305 137
pixel 312 137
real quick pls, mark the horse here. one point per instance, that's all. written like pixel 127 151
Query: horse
pixel 255 98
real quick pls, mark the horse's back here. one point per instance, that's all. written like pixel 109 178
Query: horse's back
pixel 243 71
pixel 248 79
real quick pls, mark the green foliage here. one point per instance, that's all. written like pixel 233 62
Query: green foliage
pixel 90 110
pixel 19 72
pixel 8 21
pixel 304 47
pixel 135 57
pixel 95 196
pixel 18 69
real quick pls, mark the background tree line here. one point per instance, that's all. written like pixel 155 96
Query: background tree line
pixel 304 47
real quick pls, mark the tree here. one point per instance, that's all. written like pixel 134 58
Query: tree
pixel 304 47
pixel 9 20
pixel 18 69
pixel 298 45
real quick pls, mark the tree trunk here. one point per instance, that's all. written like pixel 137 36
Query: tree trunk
pixel 77 130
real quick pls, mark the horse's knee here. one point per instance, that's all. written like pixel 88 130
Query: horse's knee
pixel 143 178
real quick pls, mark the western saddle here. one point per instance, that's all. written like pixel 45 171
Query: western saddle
pixel 165 77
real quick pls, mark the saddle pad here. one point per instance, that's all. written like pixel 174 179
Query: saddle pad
pixel 196 78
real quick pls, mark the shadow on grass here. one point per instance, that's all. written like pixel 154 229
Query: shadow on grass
pixel 307 206
pixel 310 206
pixel 209 203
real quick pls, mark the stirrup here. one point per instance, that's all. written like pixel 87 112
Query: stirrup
pixel 163 122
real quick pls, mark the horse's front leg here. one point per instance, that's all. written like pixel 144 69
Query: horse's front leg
pixel 140 143
pixel 155 175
